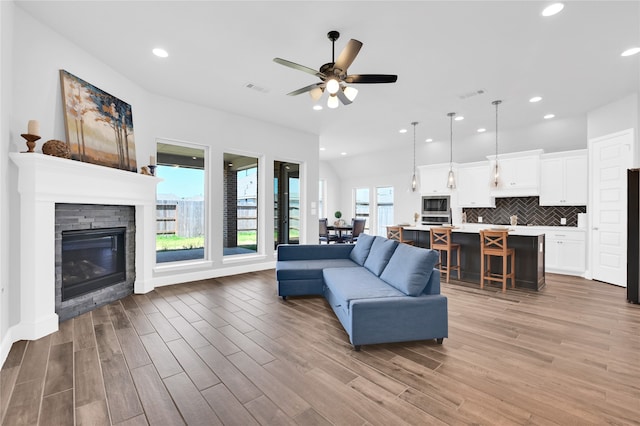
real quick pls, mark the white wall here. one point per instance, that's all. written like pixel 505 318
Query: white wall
pixel 619 115
pixel 31 77
pixel 333 189
pixel 6 29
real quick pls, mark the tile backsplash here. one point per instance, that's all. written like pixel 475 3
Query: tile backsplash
pixel 528 212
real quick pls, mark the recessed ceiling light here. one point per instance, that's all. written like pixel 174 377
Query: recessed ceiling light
pixel 343 153
pixel 631 52
pixel 548 116
pixel 160 53
pixel 535 99
pixel 429 140
pixel 317 107
pixel 482 130
pixel 322 148
pixel 552 9
pixel 459 118
pixel 403 130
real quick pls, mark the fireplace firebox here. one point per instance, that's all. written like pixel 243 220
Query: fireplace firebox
pixel 92 259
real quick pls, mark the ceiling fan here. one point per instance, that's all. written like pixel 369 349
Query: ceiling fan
pixel 334 75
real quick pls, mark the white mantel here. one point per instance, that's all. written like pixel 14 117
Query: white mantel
pixel 44 181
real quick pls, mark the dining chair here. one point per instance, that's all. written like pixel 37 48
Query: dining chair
pixel 440 240
pixel 357 228
pixel 324 232
pixel 397 233
pixel 493 243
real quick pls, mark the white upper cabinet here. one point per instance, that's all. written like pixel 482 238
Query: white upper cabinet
pixel 474 185
pixel 519 174
pixel 433 179
pixel 563 180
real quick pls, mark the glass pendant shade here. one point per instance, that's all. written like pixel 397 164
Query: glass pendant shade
pixel 350 93
pixel 495 175
pixel 332 102
pixel 316 93
pixel 333 86
pixel 414 177
pixel 414 183
pixel 451 180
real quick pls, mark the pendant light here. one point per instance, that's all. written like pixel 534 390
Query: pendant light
pixel 414 177
pixel 496 171
pixel 451 179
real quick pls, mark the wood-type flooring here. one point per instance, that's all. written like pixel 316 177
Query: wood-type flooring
pixel 229 351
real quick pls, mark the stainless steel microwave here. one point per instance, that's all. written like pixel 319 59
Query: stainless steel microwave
pixel 434 205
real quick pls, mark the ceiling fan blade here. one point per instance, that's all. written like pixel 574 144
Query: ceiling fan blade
pixel 299 67
pixel 371 78
pixel 305 89
pixel 343 98
pixel 347 55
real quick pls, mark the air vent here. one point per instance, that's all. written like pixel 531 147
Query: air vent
pixel 471 94
pixel 256 88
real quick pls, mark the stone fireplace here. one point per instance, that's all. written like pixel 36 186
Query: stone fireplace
pixel 44 182
pixel 95 256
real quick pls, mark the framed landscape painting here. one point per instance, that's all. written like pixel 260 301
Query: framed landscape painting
pixel 99 126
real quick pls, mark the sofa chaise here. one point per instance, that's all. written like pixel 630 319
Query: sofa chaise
pixel 380 290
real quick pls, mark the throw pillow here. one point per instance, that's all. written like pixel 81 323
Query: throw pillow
pixel 410 268
pixel 379 255
pixel 362 248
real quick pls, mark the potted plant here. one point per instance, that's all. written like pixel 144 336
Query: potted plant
pixel 339 221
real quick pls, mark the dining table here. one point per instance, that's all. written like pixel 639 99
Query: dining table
pixel 339 229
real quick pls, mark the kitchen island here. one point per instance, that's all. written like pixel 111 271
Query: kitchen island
pixel 529 245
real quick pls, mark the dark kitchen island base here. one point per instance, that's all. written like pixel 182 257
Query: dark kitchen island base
pixel 529 256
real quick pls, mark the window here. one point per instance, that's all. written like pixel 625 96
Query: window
pixel 240 228
pixel 321 198
pixel 362 207
pixel 180 202
pixel 384 203
pixel 286 196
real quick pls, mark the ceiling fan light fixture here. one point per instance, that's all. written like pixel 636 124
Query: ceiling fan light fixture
pixel 350 93
pixel 333 86
pixel 316 93
pixel 333 102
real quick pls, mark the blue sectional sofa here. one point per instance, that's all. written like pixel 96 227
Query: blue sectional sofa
pixel 381 291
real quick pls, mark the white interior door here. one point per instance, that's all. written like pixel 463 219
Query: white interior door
pixel 610 157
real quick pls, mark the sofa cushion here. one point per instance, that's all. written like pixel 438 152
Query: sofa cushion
pixel 379 255
pixel 410 268
pixel 362 248
pixel 308 269
pixel 349 284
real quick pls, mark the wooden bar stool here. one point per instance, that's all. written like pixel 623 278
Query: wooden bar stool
pixel 397 233
pixel 494 243
pixel 440 239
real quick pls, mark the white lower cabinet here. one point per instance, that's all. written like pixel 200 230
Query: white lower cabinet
pixel 565 252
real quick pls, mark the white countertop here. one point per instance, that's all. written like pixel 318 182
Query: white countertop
pixel 513 230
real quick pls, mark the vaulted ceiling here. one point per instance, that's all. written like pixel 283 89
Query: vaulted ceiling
pixel 449 56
